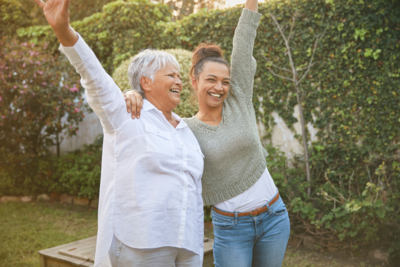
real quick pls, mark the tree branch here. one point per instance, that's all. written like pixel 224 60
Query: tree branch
pixel 275 66
pixel 310 64
pixel 287 46
pixel 277 75
pixel 291 27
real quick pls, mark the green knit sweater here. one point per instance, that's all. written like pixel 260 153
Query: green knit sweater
pixel 234 155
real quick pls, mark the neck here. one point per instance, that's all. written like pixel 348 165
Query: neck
pixel 167 112
pixel 209 114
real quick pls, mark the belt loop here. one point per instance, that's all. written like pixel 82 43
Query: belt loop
pixel 268 207
pixel 236 217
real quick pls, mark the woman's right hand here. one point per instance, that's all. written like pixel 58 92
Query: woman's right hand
pixel 57 15
pixel 134 103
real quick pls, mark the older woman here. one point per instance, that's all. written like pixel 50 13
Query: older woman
pixel 150 210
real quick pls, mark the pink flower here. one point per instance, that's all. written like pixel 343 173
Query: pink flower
pixel 76 110
pixel 57 109
pixel 3 117
pixel 74 89
pixel 0 100
pixel 44 83
pixel 15 87
pixel 22 92
pixel 25 86
pixel 23 65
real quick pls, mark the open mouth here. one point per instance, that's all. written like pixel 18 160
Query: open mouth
pixel 175 91
pixel 215 95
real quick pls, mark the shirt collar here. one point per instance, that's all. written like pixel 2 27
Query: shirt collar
pixel 148 106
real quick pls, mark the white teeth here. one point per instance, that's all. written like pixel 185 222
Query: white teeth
pixel 216 95
pixel 174 90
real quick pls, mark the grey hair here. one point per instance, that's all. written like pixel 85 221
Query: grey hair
pixel 146 64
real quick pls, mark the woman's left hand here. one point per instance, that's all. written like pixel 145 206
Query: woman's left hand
pixel 134 103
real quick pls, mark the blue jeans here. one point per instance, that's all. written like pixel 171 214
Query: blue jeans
pixel 251 241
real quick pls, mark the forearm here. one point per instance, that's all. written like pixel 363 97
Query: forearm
pixel 67 36
pixel 252 5
pixel 103 95
pixel 243 65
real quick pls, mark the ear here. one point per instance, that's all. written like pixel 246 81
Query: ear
pixel 146 83
pixel 194 82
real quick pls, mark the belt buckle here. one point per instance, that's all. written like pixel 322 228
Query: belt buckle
pixel 255 211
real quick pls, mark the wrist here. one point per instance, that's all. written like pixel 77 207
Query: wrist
pixel 66 36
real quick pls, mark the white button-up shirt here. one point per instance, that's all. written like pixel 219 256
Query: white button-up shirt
pixel 150 191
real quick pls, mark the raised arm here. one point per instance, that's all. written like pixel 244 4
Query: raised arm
pixel 103 95
pixel 243 64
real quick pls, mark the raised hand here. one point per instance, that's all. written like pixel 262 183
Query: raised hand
pixel 57 15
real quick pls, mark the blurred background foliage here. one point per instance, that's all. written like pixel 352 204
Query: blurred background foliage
pixel 351 97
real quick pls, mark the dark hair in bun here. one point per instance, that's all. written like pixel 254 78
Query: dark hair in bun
pixel 206 52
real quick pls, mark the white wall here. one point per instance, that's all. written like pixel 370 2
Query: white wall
pixel 89 129
pixel 283 137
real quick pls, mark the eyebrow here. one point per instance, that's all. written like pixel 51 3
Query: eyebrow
pixel 173 71
pixel 226 78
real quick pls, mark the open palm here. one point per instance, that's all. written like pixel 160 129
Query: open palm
pixel 56 13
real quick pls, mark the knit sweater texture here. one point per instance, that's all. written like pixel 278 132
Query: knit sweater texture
pixel 234 155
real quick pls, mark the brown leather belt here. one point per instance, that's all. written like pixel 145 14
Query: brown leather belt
pixel 253 212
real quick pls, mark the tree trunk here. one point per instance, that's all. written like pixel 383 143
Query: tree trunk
pixel 303 132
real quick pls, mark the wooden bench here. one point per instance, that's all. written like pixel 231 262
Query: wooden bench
pixel 81 253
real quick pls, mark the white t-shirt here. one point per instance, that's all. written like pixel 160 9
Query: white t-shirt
pixel 254 197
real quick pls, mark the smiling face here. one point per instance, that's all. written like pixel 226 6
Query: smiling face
pixel 164 93
pixel 212 85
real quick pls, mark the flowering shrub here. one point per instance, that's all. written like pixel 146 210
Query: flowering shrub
pixel 40 101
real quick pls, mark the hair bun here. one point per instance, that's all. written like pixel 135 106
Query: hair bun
pixel 205 50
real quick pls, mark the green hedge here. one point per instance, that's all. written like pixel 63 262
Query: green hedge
pixel 351 96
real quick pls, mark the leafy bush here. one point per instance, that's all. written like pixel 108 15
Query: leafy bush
pixel 39 101
pixel 189 105
pixel 15 14
pixel 333 214
pixel 78 173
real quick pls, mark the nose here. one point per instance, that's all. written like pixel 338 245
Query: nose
pixel 178 81
pixel 218 86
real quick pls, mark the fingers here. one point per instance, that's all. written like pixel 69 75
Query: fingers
pixel 40 3
pixel 65 5
pixel 134 103
pixel 128 103
pixel 139 105
pixel 133 107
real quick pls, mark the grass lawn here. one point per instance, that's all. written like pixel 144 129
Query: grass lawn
pixel 26 228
